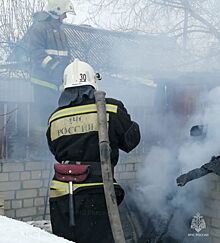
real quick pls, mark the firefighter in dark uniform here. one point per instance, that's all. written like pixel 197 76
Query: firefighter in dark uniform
pixel 73 139
pixel 49 53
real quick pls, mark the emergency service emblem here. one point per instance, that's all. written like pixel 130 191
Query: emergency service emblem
pixel 77 124
pixel 198 223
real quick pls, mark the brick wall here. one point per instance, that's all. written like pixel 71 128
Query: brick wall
pixel 23 186
pixel 127 167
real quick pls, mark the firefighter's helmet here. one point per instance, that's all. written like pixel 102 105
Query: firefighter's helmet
pixel 80 73
pixel 59 7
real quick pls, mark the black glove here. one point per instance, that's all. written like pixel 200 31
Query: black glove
pixel 215 158
pixel 182 180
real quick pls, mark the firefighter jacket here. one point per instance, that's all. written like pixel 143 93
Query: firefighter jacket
pixel 49 51
pixel 73 131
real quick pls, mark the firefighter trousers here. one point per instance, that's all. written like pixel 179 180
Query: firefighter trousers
pixel 91 217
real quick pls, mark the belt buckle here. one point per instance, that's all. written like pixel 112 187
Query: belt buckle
pixel 66 162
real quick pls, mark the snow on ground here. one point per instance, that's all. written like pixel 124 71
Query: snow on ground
pixel 14 231
pixel 42 224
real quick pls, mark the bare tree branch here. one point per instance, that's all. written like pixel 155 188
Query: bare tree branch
pixel 15 19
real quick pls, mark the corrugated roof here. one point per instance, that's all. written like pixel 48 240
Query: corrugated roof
pixel 111 51
pixel 119 51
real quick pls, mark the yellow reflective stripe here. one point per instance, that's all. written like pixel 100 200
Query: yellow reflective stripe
pixel 56 52
pixel 81 109
pixel 44 83
pixel 61 88
pixel 46 60
pixel 59 188
pixel 111 108
pixel 73 111
pixel 56 193
pixel 59 185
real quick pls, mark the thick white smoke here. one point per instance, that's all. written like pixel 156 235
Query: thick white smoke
pixel 158 194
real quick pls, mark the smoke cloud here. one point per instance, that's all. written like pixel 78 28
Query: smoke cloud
pixel 157 193
pixel 169 150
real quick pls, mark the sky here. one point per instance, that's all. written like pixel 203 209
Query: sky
pixel 82 9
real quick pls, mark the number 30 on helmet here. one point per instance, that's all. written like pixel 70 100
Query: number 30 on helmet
pixel 80 73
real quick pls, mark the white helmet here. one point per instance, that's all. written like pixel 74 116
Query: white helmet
pixel 79 74
pixel 59 7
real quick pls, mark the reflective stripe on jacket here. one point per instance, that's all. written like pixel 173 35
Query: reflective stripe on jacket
pixel 73 131
pixel 44 84
pixel 80 110
pixel 59 188
pixel 59 53
pixel 49 50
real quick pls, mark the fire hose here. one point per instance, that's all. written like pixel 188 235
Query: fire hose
pixel 106 169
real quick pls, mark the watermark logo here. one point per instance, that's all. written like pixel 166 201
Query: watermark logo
pixel 198 224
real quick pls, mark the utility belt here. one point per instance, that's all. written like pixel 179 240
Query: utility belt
pixel 59 188
pixel 70 176
pixel 75 172
pixel 93 168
